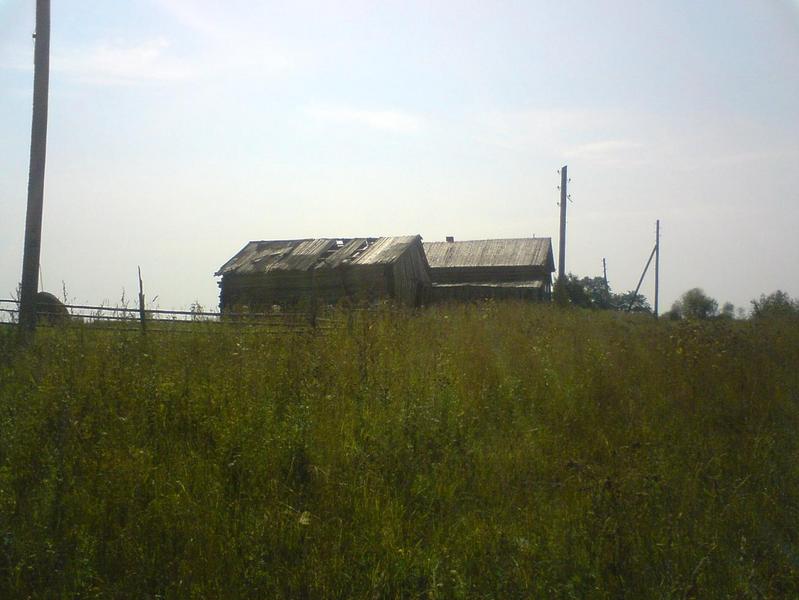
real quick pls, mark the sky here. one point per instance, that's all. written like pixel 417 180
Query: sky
pixel 181 129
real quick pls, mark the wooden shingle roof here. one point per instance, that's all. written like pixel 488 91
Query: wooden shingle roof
pixel 320 253
pixel 520 252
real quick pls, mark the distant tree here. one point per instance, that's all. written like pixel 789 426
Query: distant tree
pixel 695 304
pixel 631 301
pixel 585 292
pixel 560 293
pixel 593 292
pixel 727 311
pixel 597 291
pixel 776 304
pixel 578 295
pixel 675 314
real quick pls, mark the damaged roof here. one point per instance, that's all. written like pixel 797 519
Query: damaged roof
pixel 385 250
pixel 520 252
pixel 303 255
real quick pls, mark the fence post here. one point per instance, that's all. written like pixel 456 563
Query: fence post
pixel 142 316
pixel 312 306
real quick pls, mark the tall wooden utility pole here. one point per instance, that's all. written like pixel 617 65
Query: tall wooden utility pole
pixel 562 250
pixel 605 274
pixel 657 264
pixel 33 219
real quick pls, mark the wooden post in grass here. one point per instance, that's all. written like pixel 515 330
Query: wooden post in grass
pixel 33 219
pixel 313 304
pixel 142 316
pixel 657 264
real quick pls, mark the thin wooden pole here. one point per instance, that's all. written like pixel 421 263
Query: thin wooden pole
pixel 605 274
pixel 33 218
pixel 142 314
pixel 562 249
pixel 313 307
pixel 657 264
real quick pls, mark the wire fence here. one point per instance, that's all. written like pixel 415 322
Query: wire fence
pixel 157 319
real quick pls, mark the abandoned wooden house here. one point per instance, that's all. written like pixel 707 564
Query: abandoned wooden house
pixel 481 269
pixel 325 270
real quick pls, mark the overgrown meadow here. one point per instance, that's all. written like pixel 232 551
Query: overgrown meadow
pixel 495 451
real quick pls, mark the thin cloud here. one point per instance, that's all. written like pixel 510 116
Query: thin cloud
pixel 219 45
pixel 517 130
pixel 193 15
pixel 151 61
pixel 567 133
pixel 580 134
pixel 228 42
pixel 382 120
pixel 118 64
pixel 608 152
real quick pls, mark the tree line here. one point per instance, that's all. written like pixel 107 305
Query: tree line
pixel 694 304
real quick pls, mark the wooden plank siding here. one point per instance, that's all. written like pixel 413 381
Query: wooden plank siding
pixel 482 269
pixel 326 270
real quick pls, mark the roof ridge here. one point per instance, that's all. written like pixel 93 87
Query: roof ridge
pixel 516 239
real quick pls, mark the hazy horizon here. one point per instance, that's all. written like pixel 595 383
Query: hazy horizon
pixel 180 130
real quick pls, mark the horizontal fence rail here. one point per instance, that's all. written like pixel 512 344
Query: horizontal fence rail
pixel 149 319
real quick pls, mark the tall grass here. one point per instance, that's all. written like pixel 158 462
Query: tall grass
pixel 501 451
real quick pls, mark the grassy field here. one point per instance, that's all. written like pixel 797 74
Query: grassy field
pixel 503 451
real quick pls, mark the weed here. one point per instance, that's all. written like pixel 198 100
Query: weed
pixel 503 450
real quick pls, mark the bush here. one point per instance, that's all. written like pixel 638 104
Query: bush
pixel 777 304
pixel 594 292
pixel 695 304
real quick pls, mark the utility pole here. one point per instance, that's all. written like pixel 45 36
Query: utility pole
pixel 33 219
pixel 605 274
pixel 657 264
pixel 562 250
